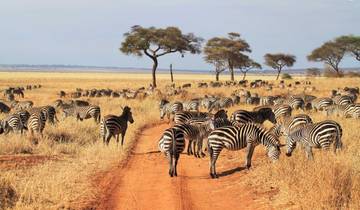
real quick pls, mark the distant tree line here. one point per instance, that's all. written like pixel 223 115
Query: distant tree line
pixel 228 53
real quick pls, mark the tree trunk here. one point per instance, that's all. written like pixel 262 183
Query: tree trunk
pixel 154 71
pixel 278 74
pixel 171 74
pixel 217 76
pixel 244 76
pixel 232 73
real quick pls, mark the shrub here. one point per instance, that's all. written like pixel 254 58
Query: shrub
pixel 286 76
pixel 313 72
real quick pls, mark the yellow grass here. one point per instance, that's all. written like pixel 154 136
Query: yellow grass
pixel 329 182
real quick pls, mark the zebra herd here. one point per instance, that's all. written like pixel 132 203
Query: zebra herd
pixel 243 129
pixel 34 119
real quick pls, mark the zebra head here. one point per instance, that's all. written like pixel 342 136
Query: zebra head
pixel 162 112
pixel 127 112
pixel 272 146
pixel 221 114
pixel 163 102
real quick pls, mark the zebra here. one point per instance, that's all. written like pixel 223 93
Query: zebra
pixel 318 135
pixel 295 102
pixel 112 126
pixel 83 112
pixel 195 132
pixel 321 103
pixel 221 103
pixel 339 110
pixel 24 116
pixel 49 113
pixel 342 100
pixel 19 105
pixel 235 138
pixel 36 122
pixel 167 108
pixel 243 116
pixel 192 105
pixel 184 117
pixel 267 100
pixel 207 101
pixel 11 123
pixel 282 110
pixel 290 124
pixel 172 143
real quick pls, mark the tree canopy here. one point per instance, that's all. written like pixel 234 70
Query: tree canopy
pixel 227 50
pixel 330 52
pixel 279 61
pixel 351 44
pixel 156 42
pixel 244 63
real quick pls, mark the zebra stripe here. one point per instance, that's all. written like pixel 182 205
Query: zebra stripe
pixel 83 112
pixel 243 116
pixel 11 123
pixel 236 138
pixel 168 109
pixel 193 105
pixel 321 103
pixel 184 117
pixel 290 124
pixel 172 143
pixel 113 126
pixel 342 100
pixel 221 104
pixel 36 122
pixel 318 135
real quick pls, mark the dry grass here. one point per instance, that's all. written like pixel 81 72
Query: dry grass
pixel 329 182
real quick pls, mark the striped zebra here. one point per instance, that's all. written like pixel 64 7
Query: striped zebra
pixel 243 116
pixel 347 111
pixel 184 117
pixel 320 104
pixel 113 126
pixel 207 101
pixel 282 110
pixel 193 105
pixel 235 138
pixel 196 132
pixel 36 122
pixel 267 100
pixel 290 124
pixel 221 104
pixel 20 105
pixel 49 113
pixel 11 123
pixel 172 143
pixel 24 116
pixel 167 108
pixel 317 135
pixel 82 112
pixel 295 102
pixel 342 100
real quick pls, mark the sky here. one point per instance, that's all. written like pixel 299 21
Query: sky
pixel 89 32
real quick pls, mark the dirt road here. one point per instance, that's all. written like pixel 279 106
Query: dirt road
pixel 145 184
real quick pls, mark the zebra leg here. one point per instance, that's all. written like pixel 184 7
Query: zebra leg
pixel 213 159
pixel 189 150
pixel 170 157
pixel 194 143
pixel 249 152
pixel 309 153
pixel 122 137
pixel 176 162
pixel 117 140
pixel 108 137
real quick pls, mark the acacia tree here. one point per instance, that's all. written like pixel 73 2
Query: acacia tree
pixel 156 42
pixel 279 61
pixel 245 64
pixel 331 53
pixel 227 49
pixel 351 44
pixel 216 60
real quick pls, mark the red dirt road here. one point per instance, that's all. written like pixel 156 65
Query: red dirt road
pixel 144 183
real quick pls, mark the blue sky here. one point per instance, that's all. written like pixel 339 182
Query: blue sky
pixel 89 32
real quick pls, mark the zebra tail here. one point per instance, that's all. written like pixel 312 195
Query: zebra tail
pixel 338 139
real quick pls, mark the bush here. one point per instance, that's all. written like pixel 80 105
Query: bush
pixel 313 72
pixel 352 74
pixel 286 76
